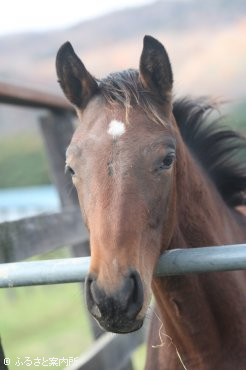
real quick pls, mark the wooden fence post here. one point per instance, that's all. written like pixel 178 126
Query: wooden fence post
pixel 3 366
pixel 57 130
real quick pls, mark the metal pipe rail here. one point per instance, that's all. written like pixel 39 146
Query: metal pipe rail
pixel 172 262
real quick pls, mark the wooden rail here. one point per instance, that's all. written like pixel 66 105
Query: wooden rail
pixel 111 350
pixel 17 95
pixel 31 236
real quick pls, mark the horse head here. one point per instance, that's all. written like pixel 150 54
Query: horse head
pixel 122 162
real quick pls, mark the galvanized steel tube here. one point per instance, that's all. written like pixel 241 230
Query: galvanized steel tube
pixel 173 262
pixel 56 271
pixel 205 259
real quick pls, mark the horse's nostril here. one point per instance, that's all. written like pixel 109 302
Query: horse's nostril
pixel 124 295
pixel 95 311
pixel 93 296
pixel 135 300
pixel 96 292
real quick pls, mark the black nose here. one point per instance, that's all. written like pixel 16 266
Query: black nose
pixel 116 312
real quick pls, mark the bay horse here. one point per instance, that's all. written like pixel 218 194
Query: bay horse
pixel 154 174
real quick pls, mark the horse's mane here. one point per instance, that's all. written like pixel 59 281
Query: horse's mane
pixel 218 148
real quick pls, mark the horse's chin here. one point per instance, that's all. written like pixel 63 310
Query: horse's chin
pixel 121 327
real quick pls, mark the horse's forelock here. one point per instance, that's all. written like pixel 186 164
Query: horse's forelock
pixel 125 88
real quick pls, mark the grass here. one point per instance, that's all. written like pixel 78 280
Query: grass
pixel 23 161
pixel 139 357
pixel 236 118
pixel 43 322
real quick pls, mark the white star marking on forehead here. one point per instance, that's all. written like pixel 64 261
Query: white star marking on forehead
pixel 116 128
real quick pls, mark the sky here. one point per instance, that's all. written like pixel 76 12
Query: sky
pixel 31 15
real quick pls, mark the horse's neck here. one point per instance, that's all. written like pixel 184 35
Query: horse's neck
pixel 203 318
pixel 202 217
pixel 202 312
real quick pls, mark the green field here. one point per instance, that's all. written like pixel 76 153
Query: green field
pixel 46 322
pixel 43 322
pixel 23 161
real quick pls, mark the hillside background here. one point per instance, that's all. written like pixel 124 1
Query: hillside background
pixel 206 42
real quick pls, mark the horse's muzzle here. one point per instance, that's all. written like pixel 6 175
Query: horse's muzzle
pixel 118 311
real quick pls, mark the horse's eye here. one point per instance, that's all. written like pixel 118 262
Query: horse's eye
pixel 69 169
pixel 167 161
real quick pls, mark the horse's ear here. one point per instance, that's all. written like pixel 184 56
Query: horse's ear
pixel 76 82
pixel 155 68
